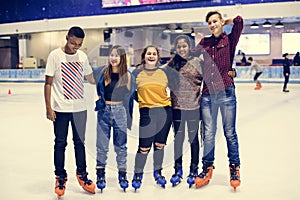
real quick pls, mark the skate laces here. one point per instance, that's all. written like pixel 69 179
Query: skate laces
pixel 158 174
pixel 177 173
pixel 84 178
pixel 61 182
pixel 137 177
pixel 193 172
pixel 122 177
pixel 234 172
pixel 204 171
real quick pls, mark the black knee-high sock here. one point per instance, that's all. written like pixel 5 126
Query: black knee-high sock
pixel 140 161
pixel 158 157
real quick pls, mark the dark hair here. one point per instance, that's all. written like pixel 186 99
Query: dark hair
pixel 76 31
pixel 250 58
pixel 177 61
pixel 185 37
pixel 143 54
pixel 208 15
pixel 285 54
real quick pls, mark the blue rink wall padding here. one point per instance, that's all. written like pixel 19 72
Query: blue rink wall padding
pixel 22 75
pixel 271 74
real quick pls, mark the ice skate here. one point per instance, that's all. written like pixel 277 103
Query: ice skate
pixel 86 183
pixel 193 174
pixel 137 181
pixel 204 177
pixel 60 186
pixel 160 180
pixel 123 180
pixel 101 183
pixel 234 176
pixel 177 176
pixel 258 87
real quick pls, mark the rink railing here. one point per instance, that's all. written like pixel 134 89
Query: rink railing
pixel 272 74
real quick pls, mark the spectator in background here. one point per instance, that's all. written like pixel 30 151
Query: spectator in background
pixel 286 71
pixel 243 60
pixel 257 68
pixel 296 60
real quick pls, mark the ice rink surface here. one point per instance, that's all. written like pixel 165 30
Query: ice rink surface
pixel 268 126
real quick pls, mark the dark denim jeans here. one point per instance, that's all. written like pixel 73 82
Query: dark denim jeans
pixel 113 116
pixel 61 127
pixel 154 127
pixel 181 119
pixel 224 100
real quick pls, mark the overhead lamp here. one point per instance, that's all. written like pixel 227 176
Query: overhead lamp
pixel 267 24
pixel 193 32
pixel 178 29
pixel 167 30
pixel 254 26
pixel 279 24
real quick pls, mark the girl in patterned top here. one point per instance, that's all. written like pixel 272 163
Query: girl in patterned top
pixel 186 107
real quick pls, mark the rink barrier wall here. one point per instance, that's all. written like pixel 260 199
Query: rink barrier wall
pixel 271 74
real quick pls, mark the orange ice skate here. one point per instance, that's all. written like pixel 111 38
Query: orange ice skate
pixel 204 177
pixel 234 176
pixel 85 183
pixel 60 186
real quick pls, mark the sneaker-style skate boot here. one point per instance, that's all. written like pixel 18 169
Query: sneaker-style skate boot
pixel 234 176
pixel 101 183
pixel 86 183
pixel 137 181
pixel 123 180
pixel 60 186
pixel 160 179
pixel 193 174
pixel 204 177
pixel 177 176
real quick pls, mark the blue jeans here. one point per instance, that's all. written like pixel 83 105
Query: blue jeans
pixel 112 116
pixel 224 100
pixel 61 127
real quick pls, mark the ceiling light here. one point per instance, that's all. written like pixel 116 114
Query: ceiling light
pixel 178 29
pixel 193 33
pixel 267 24
pixel 167 30
pixel 254 26
pixel 279 24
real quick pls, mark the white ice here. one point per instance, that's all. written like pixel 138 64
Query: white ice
pixel 267 124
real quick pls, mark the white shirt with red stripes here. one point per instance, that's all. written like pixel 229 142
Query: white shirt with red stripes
pixel 68 71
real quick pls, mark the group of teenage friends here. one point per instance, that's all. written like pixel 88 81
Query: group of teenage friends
pixel 201 84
